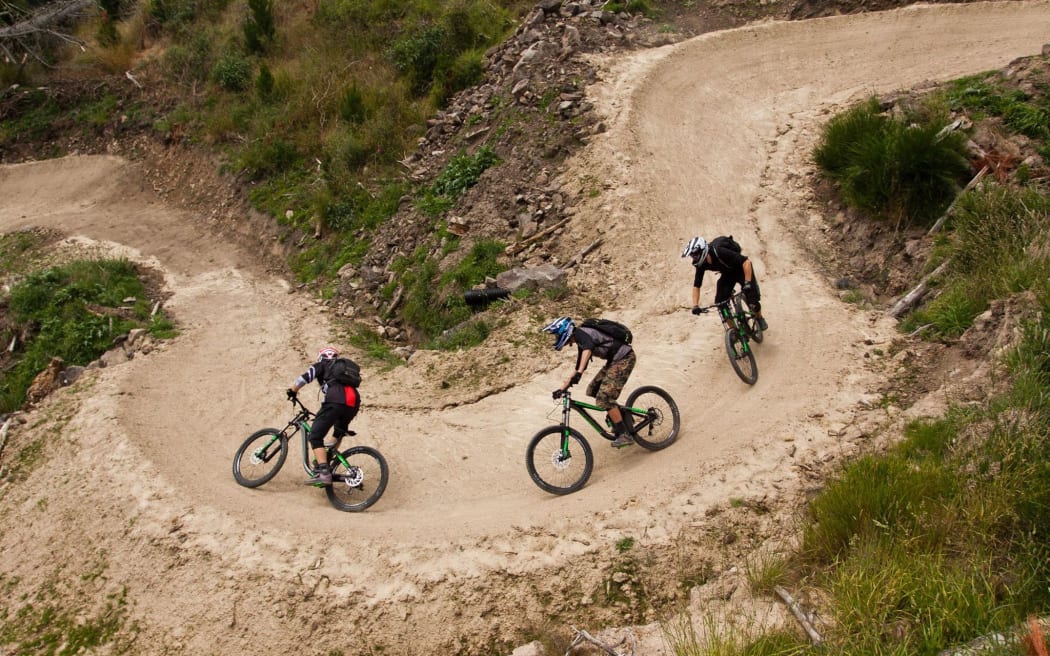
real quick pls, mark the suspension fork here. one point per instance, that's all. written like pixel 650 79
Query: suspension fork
pixel 566 411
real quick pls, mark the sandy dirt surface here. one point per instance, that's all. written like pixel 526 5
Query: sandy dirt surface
pixel 705 137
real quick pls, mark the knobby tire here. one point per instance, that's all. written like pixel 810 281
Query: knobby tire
pixel 543 459
pixel 743 362
pixel 252 469
pixel 372 472
pixel 658 427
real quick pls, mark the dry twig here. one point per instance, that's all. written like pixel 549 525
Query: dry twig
pixel 799 615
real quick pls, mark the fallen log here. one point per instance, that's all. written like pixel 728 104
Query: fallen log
pixel 519 246
pixel 948 212
pixel 912 298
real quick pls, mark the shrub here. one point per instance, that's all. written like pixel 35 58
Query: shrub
pixel 232 72
pixel 905 173
pixel 416 56
pixel 464 171
pixel 352 107
pixel 259 29
pixel 264 82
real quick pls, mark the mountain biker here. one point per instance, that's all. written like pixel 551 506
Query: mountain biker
pixel 735 268
pixel 339 407
pixel 608 383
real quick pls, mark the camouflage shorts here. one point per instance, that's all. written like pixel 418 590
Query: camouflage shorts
pixel 607 385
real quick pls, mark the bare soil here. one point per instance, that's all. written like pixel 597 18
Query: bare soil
pixel 464 554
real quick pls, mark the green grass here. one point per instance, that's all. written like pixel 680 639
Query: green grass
pixel 996 248
pixel 74 312
pixel 47 623
pixel 894 169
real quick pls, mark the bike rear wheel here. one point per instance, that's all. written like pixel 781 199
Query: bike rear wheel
pixel 741 357
pixel 559 460
pixel 751 323
pixel 654 416
pixel 358 482
pixel 260 457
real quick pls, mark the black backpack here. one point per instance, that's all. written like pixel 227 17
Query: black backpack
pixel 614 329
pixel 344 371
pixel 726 241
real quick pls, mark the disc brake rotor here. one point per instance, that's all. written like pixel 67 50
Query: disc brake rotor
pixel 560 462
pixel 354 476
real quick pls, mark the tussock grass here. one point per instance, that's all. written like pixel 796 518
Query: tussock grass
pixel 899 169
pixel 997 247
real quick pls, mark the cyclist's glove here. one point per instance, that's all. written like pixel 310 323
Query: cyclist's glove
pixel 747 287
pixel 291 394
pixel 575 378
pixel 557 394
pixel 697 309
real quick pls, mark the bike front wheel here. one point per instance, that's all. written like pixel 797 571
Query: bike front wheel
pixel 260 457
pixel 654 416
pixel 741 357
pixel 559 460
pixel 359 478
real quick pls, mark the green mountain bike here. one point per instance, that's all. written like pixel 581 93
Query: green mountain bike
pixel 359 474
pixel 741 328
pixel 560 460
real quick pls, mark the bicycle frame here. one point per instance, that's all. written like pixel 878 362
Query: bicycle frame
pixel 734 319
pixel 301 423
pixel 584 409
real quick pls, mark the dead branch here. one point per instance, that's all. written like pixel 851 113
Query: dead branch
pixel 517 247
pixel 583 636
pixel 913 297
pixel 582 254
pixel 42 23
pixel 3 436
pixel 799 615
pixel 969 186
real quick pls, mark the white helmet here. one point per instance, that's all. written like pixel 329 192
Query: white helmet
pixel 327 353
pixel 696 248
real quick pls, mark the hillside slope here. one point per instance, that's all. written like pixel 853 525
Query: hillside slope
pixel 711 135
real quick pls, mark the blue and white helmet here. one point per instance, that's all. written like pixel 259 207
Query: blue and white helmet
pixel 561 328
pixel 697 249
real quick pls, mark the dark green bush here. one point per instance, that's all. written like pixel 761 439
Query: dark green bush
pixel 901 172
pixel 416 56
pixel 232 72
pixel 264 82
pixel 352 108
pixel 259 28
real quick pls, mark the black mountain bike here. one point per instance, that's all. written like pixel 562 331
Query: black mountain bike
pixel 741 328
pixel 560 460
pixel 359 474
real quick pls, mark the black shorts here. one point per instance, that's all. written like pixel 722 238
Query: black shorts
pixel 331 415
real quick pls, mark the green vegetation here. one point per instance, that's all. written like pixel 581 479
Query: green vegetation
pixel 44 626
pixel 985 95
pixel 73 312
pixel 433 301
pixel 903 170
pixel 995 249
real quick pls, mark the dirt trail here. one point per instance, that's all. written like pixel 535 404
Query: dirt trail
pixel 705 137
